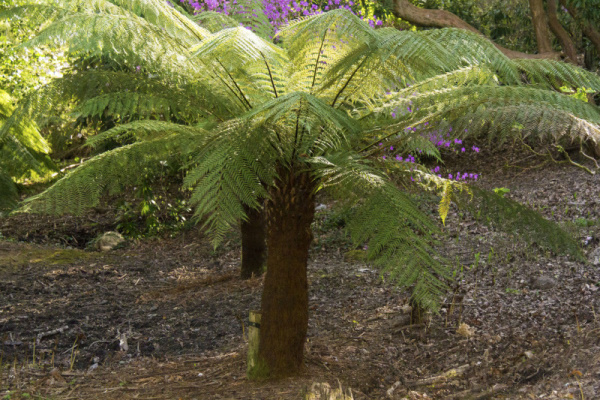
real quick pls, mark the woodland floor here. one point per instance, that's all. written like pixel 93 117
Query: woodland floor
pixel 534 318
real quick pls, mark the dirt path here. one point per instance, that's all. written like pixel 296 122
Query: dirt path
pixel 532 320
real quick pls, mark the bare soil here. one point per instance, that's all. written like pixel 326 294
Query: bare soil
pixel 166 318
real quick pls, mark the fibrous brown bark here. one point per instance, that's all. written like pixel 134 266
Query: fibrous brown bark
pixel 540 26
pixel 289 213
pixel 587 28
pixel 445 19
pixel 254 246
pixel 561 34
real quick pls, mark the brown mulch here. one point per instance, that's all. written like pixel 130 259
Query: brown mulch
pixel 532 318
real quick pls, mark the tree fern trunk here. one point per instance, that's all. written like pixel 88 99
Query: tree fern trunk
pixel 289 213
pixel 254 246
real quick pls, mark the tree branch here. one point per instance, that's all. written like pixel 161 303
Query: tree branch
pixel 587 28
pixel 445 19
pixel 566 42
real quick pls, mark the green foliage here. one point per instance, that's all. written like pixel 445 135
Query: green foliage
pixel 22 153
pixel 506 22
pixel 235 110
pixel 159 210
pixel 493 208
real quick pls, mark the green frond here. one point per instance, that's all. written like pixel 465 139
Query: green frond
pixel 251 14
pixel 509 216
pixel 227 176
pixel 501 112
pixel 44 12
pixel 215 21
pixel 318 43
pixel 393 244
pixel 425 56
pixel 159 13
pixel 501 213
pixel 127 40
pixel 341 23
pixel 8 192
pixel 398 236
pixel 108 173
pixel 22 148
pixel 474 49
pixel 302 124
pixel 143 131
pixel 557 74
pixel 155 12
pixel 254 69
pixel 124 96
pixel 135 95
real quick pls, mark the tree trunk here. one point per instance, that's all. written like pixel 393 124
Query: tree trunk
pixel 254 246
pixel 445 19
pixel 560 32
pixel 540 26
pixel 587 28
pixel 289 212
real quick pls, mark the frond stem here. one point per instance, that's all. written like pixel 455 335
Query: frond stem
pixel 236 85
pixel 270 74
pixel 318 60
pixel 348 81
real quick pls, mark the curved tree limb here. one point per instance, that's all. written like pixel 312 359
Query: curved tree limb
pixel 587 28
pixel 445 19
pixel 566 42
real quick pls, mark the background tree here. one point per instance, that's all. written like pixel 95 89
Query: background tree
pixel 575 35
pixel 309 116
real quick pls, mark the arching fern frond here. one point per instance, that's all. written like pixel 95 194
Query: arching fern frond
pixel 499 212
pixel 108 173
pixel 557 74
pixel 125 39
pixel 225 177
pixel 509 216
pixel 215 21
pixel 398 236
pixel 501 112
pixel 22 148
pixel 143 131
pixel 302 124
pixel 155 12
pixel 474 49
pixel 159 13
pixel 254 69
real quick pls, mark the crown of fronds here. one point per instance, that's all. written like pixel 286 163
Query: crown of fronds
pixel 323 99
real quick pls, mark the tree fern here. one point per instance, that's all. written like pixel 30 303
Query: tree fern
pixel 317 106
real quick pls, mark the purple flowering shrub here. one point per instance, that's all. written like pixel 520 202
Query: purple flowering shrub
pixel 446 144
pixel 280 12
